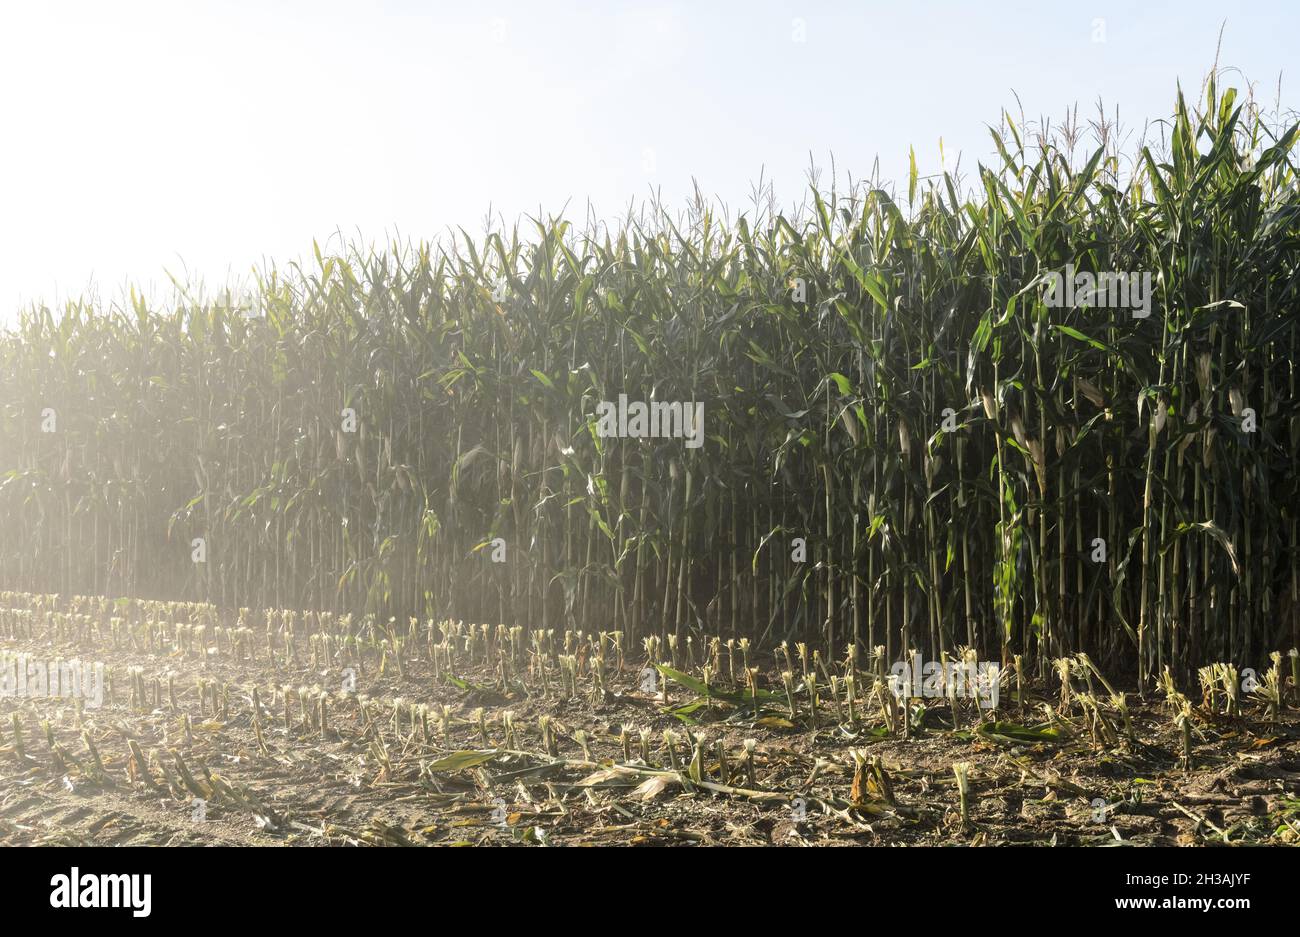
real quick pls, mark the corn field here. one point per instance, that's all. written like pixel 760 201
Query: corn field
pixel 906 445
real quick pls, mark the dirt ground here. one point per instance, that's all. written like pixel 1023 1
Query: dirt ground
pixel 158 764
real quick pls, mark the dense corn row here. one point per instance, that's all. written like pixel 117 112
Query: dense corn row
pixel 906 445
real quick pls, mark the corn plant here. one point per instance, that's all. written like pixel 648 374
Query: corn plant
pixel 968 462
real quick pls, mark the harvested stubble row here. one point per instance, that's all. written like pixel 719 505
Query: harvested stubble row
pixel 560 738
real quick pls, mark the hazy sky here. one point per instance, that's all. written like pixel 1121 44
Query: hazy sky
pixel 143 137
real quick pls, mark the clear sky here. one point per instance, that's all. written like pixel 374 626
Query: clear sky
pixel 137 138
